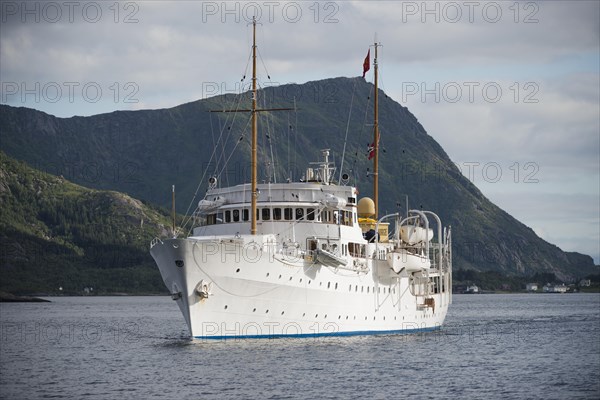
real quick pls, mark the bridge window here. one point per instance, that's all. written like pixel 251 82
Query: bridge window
pixel 228 216
pixel 236 215
pixel 211 219
pixel 277 214
pixel 266 214
pixel 310 214
pixel 299 213
pixel 245 214
pixel 288 214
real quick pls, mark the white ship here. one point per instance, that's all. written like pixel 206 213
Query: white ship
pixel 306 258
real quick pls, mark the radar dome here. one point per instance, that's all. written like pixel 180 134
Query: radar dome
pixel 366 208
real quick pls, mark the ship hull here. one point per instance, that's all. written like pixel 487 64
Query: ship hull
pixel 247 287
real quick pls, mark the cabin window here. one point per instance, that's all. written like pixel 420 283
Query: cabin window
pixel 245 214
pixel 347 218
pixel 356 250
pixel 299 213
pixel 257 214
pixel 227 216
pixel 288 214
pixel 211 219
pixel 277 214
pixel 311 244
pixel 310 214
pixel 266 214
pixel 236 215
pixel 219 218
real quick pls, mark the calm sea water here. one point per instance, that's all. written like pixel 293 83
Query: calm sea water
pixel 492 346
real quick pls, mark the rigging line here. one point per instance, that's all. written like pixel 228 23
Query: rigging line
pixel 212 133
pixel 347 129
pixel 271 132
pixel 239 99
pixel 288 172
pixel 188 216
pixel 295 133
pixel 234 147
pixel 263 63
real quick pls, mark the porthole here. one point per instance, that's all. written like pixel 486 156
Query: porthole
pixel 304 314
pixel 267 312
pixel 225 307
pixel 237 270
pixel 268 274
pixel 339 317
pixel 279 276
pixel 283 312
pixel 328 285
pixel 316 315
pixel 254 310
pixel 325 316
pixel 300 280
pixel 336 286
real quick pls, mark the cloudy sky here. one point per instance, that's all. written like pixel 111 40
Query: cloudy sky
pixel 509 89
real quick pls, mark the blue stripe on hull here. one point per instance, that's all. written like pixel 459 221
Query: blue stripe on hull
pixel 323 334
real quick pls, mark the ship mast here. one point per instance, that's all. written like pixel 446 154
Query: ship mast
pixel 376 138
pixel 253 162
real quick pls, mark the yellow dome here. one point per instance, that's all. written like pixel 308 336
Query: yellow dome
pixel 366 208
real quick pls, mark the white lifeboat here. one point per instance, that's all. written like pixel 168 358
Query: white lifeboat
pixel 210 205
pixel 334 202
pixel 412 234
pixel 329 259
pixel 402 260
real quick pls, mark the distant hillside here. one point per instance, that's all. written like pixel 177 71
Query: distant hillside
pixel 55 234
pixel 143 153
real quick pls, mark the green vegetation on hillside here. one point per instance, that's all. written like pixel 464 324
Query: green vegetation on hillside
pixel 55 234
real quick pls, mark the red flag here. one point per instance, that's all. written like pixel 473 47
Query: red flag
pixel 371 150
pixel 367 63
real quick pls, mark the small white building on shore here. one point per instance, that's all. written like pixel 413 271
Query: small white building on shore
pixel 548 288
pixel 532 287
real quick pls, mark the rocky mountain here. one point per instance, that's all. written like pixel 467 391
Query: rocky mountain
pixel 142 153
